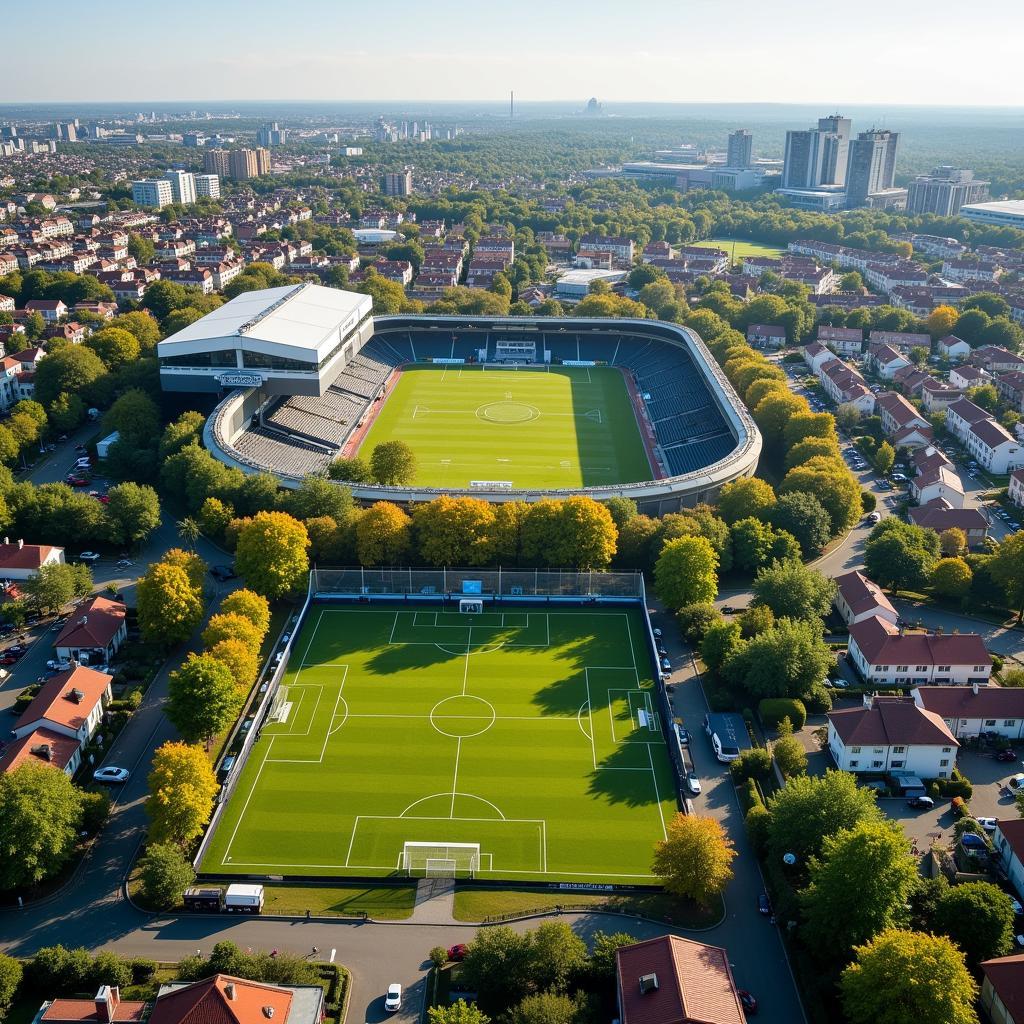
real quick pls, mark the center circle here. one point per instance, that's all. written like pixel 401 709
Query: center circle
pixel 508 412
pixel 462 716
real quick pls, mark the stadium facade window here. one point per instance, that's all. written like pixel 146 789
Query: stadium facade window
pixel 262 361
pixel 223 357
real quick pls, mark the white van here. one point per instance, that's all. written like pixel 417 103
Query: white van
pixel 244 899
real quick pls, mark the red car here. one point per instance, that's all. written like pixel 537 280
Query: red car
pixel 78 481
pixel 8 659
pixel 457 953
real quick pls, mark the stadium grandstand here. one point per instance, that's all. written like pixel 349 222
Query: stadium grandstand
pixel 311 369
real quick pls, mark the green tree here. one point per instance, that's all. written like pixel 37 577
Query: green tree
pixel 40 815
pixel 788 752
pixel 315 497
pixel 234 627
pixel 141 248
pixel 164 873
pixel 951 577
pixel 455 531
pixel 71 370
pixel 885 456
pixel 794 590
pixel 786 660
pixel 185 430
pixel 602 957
pixel 755 543
pixel 811 808
pixel 143 326
pixel 745 498
pixel 498 966
pixel 548 1008
pixel 1007 570
pixel 804 517
pixel 720 645
pixel 832 483
pixel 181 792
pixel 249 605
pixel 10 979
pixel 202 697
pixel 114 346
pixel 459 1012
pixel 57 585
pixel 696 619
pixel 902 976
pixel 214 516
pixel 694 861
pixel 393 463
pixel 354 469
pixel 859 886
pixel 558 955
pixel 686 572
pixel 953 542
pixel 133 513
pixel 979 918
pixel 271 553
pixel 170 606
pixel 383 534
pixel 900 555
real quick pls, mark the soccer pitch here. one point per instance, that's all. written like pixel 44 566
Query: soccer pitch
pixel 538 427
pixel 534 734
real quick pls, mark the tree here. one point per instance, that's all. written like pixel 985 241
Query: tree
pixel 745 498
pixel 185 430
pixel 694 860
pixel 809 424
pixel 459 1012
pixel 1007 570
pixel 114 346
pixel 40 815
pixel 622 510
pixel 189 531
pixel 558 955
pixel 498 967
pixel 239 659
pixel 164 873
pixel 258 493
pixel 143 326
pixel 214 516
pixel 788 752
pixel 57 585
pixel 170 606
pixel 383 534
pixel 951 577
pixel 70 370
pixel 786 660
pixel 271 553
pixel 794 590
pixel 832 483
pixel 315 497
pixel 720 644
pixel 942 321
pixel 902 976
pixel 953 542
pixel 808 448
pixel 858 886
pixel 900 555
pixel 249 605
pixel 772 414
pixel 970 326
pixel 686 572
pixel 182 787
pixel 802 516
pixel 141 248
pixel 885 456
pixel 979 918
pixel 755 543
pixel 233 627
pixel 353 468
pixel 455 531
pixel 133 513
pixel 811 808
pixel 202 697
pixel 393 463
pixel 696 619
pixel 985 396
pixel 10 979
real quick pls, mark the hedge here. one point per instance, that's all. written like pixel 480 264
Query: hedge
pixel 774 709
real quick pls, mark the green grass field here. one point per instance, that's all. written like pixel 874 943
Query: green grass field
pixel 531 733
pixel 537 427
pixel 742 247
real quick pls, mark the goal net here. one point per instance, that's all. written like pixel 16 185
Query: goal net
pixel 440 860
pixel 471 606
pixel 515 350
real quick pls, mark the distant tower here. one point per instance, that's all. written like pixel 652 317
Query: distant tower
pixel 511 104
pixel 593 107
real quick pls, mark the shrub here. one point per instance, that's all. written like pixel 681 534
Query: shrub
pixel 774 709
pixel 959 807
pixel 696 619
pixel 109 969
pixel 95 811
pixel 751 764
pixel 868 501
pixel 818 701
pixel 758 822
pixel 142 970
pixel 957 786
pixel 934 792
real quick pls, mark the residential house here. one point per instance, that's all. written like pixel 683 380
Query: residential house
pixel 1008 840
pixel 107 1008
pixel 937 484
pixel 891 734
pixel 672 980
pixel 858 598
pixel 971 710
pixel 995 449
pixel 910 380
pixel 952 348
pixel 1002 989
pixel 845 340
pixel 815 355
pixel 97 629
pixel 766 336
pixel 51 310
pixel 962 415
pixel 1011 389
pixel 937 395
pixel 620 248
pixel 19 560
pixel 996 359
pixel 940 515
pixel 901 422
pixel 966 376
pixel 845 386
pixel 1015 491
pixel 885 361
pixel 71 704
pixel 886 655
pixel 902 341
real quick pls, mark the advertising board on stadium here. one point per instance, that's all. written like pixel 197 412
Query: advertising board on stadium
pixel 447 360
pixel 240 380
pixel 491 485
pixel 578 362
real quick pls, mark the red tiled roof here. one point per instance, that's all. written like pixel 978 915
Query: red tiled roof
pixel 938 515
pixel 1013 830
pixel 24 556
pixel 891 720
pixel 991 433
pixel 963 702
pixel 881 644
pixel 94 624
pixel 968 411
pixel 56 701
pixel 1006 976
pixel 695 983
pixel 19 752
pixel 83 1011
pixel 223 999
pixel 860 593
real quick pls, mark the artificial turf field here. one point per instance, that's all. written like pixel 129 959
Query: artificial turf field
pixel 537 427
pixel 520 730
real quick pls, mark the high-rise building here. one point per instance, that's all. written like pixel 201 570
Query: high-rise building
pixel 217 161
pixel 249 163
pixel 397 183
pixel 193 140
pixel 183 186
pixel 262 161
pixel 208 186
pixel 272 135
pixel 741 144
pixel 872 165
pixel 817 156
pixel 152 193
pixel 837 131
pixel 944 191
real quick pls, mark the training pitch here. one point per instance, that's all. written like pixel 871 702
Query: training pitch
pixel 534 734
pixel 536 427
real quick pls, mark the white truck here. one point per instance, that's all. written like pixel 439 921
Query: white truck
pixel 243 899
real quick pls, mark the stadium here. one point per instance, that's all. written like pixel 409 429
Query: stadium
pixel 500 409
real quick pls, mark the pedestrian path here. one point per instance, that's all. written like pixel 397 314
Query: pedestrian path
pixel 435 901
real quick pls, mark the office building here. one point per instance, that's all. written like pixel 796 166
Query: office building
pixel 944 191
pixel 183 186
pixel 1008 214
pixel 836 132
pixel 152 193
pixel 208 186
pixel 193 140
pixel 871 166
pixel 740 151
pixel 271 135
pixel 817 156
pixel 217 161
pixel 397 183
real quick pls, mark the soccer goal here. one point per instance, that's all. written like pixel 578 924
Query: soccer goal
pixel 471 606
pixel 441 860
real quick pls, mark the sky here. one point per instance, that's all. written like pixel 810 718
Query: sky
pixel 899 52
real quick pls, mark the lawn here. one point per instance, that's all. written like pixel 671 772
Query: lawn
pixel 536 427
pixel 737 248
pixel 528 736
pixel 380 902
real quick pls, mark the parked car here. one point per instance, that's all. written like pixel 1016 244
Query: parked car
pixel 657 633
pixel 874 517
pixel 693 783
pixel 88 556
pixel 223 572
pixel 682 735
pixel 748 1002
pixel 457 953
pixel 393 998
pixel 922 803
pixel 988 824
pixel 225 767
pixel 764 905
pixel 666 665
pixel 1017 782
pixel 111 774
pixel 971 841
pixel 1005 755
pixel 77 480
pixel 8 659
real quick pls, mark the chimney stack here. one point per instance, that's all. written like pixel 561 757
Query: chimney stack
pixel 107 1000
pixel 974 688
pixel 21 543
pixel 229 990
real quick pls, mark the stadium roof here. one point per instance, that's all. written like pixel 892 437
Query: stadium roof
pixel 304 317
